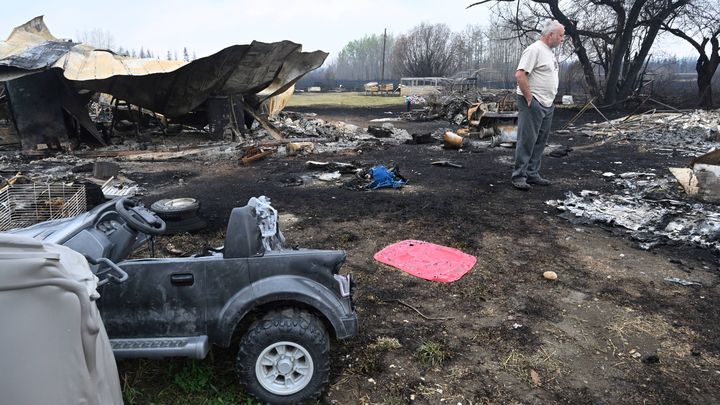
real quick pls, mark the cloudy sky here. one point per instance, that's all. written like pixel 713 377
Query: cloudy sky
pixel 205 27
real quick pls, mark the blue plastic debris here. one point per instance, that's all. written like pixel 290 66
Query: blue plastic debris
pixel 382 177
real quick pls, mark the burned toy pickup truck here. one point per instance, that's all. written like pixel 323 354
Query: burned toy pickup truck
pixel 284 305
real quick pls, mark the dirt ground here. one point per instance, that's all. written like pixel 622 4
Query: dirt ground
pixel 609 330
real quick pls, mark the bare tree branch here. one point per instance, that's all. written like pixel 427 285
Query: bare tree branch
pixel 614 34
pixel 485 1
pixel 700 27
pixel 425 51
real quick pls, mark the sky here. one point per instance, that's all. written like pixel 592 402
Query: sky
pixel 205 27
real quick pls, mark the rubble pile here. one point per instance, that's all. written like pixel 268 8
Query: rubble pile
pixel 336 135
pixel 649 208
pixel 453 106
pixel 687 133
pixel 356 176
pixel 450 108
pixel 100 110
pixel 302 134
pixel 294 124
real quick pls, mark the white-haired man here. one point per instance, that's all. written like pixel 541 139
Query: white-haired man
pixel 537 79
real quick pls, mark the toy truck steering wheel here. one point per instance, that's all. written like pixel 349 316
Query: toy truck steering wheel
pixel 139 217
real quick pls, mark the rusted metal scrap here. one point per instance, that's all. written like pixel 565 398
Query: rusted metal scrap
pixel 253 154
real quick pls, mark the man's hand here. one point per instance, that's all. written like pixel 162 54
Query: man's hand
pixel 524 85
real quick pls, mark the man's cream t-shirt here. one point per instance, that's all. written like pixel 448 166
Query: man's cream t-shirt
pixel 539 62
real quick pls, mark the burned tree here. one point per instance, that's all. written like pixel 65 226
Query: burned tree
pixel 427 50
pixel 614 35
pixel 700 27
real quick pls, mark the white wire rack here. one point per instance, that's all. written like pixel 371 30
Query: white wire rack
pixel 22 205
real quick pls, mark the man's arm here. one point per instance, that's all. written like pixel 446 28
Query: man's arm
pixel 522 80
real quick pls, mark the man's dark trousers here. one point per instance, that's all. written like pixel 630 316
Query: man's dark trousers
pixel 533 129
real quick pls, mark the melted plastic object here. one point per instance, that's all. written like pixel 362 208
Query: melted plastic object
pixel 427 260
pixel 272 238
pixel 382 177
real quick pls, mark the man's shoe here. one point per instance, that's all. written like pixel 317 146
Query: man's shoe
pixel 521 184
pixel 539 181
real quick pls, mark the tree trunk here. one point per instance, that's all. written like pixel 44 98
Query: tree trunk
pixel 571 30
pixel 704 82
pixel 705 68
pixel 705 71
pixel 635 68
pixel 617 59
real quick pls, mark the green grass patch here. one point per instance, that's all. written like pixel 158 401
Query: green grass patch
pixel 432 354
pixel 181 382
pixel 345 99
pixel 194 377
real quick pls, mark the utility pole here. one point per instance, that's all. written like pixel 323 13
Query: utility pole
pixel 382 73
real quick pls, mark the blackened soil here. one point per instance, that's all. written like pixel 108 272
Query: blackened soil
pixel 514 337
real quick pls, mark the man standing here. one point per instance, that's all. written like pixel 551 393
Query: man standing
pixel 537 79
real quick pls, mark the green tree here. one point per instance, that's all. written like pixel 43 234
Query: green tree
pixel 362 59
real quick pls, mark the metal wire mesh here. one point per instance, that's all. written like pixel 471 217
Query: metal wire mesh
pixel 22 205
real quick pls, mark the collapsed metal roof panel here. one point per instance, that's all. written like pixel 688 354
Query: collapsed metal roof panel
pixel 255 69
pixel 83 62
pixel 260 70
pixel 40 56
pixel 31 47
pixel 32 32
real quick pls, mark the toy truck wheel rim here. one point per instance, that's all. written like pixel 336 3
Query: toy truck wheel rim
pixel 284 368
